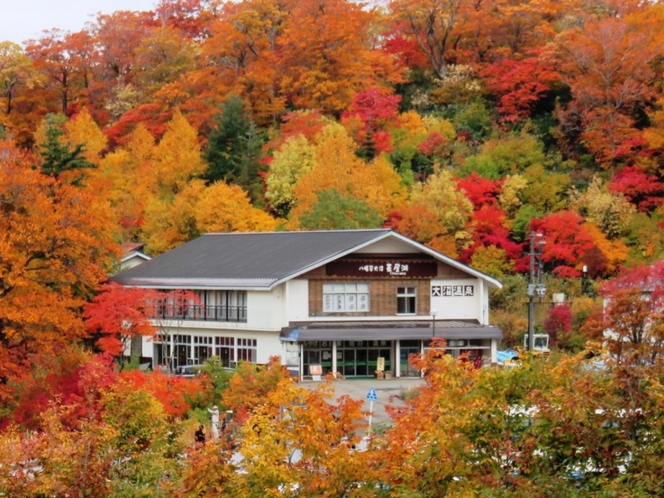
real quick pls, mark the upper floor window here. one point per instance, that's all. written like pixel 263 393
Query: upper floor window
pixel 345 297
pixel 214 305
pixel 229 306
pixel 406 300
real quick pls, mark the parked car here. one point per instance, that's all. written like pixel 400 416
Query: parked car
pixel 188 371
pixel 194 370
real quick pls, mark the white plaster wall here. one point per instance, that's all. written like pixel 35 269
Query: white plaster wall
pixel 459 307
pixel 297 300
pixel 268 345
pixel 132 262
pixel 485 306
pixel 266 310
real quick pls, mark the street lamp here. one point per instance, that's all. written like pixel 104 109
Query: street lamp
pixel 433 314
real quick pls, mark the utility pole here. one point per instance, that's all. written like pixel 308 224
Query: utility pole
pixel 535 286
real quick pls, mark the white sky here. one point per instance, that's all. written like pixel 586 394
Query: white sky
pixel 21 20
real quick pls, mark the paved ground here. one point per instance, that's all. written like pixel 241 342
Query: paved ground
pixel 385 389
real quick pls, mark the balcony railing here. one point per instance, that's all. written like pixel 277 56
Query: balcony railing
pixel 204 313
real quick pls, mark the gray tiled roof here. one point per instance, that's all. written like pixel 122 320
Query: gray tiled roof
pixel 246 260
pixel 388 330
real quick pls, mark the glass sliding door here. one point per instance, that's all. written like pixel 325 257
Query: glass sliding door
pixel 406 349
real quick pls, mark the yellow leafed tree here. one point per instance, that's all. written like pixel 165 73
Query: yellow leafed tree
pixel 294 159
pixel 226 208
pixel 82 129
pixel 177 158
pixel 198 209
pixel 127 172
pixel 170 223
pixel 337 167
pixel 437 214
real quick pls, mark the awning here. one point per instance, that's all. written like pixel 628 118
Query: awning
pixel 388 331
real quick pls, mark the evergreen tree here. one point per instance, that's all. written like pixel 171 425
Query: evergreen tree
pixel 233 149
pixel 58 156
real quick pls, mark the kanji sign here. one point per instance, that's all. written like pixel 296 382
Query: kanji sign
pixel 453 290
pixel 382 268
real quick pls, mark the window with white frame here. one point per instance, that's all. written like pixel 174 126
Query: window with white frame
pixel 406 300
pixel 202 349
pixel 345 297
pixel 247 350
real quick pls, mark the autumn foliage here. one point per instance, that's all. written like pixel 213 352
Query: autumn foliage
pixel 466 126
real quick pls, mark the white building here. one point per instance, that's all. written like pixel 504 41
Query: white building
pixel 132 255
pixel 338 299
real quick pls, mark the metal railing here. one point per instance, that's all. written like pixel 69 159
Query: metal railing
pixel 203 313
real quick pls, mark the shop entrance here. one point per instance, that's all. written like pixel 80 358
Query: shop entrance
pixel 360 358
pixel 317 353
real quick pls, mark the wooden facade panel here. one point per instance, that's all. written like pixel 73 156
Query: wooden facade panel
pixel 382 289
pixel 382 296
pixel 447 271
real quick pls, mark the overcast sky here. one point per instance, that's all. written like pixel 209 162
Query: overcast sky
pixel 21 20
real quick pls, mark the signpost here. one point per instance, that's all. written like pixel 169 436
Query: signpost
pixel 371 396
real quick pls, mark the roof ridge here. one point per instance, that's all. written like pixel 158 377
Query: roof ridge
pixel 302 231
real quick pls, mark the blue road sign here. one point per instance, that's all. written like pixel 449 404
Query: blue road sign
pixel 372 396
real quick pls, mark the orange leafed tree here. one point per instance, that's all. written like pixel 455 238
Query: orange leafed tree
pixel 226 208
pixel 55 248
pixel 610 67
pixel 52 59
pixel 303 440
pixel 175 394
pixel 327 54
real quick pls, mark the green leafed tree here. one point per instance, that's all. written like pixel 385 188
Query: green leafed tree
pixel 292 161
pixel 59 156
pixel 510 155
pixel 233 148
pixel 335 211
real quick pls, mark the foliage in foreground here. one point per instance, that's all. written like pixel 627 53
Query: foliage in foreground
pixel 578 427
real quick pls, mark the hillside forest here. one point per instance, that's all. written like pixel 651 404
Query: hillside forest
pixel 466 125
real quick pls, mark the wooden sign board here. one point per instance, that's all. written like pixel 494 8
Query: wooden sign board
pixel 382 268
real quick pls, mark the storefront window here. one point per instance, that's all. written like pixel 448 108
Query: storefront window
pixel 183 349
